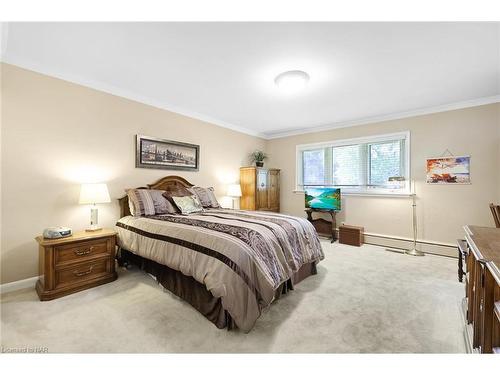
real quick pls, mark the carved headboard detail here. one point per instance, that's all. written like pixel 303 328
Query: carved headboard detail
pixel 166 183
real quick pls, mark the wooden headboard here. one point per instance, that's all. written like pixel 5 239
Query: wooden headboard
pixel 165 183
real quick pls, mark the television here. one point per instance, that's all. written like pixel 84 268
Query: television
pixel 323 198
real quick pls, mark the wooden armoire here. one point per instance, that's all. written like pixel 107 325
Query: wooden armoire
pixel 260 189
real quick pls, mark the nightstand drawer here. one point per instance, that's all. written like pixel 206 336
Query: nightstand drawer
pixel 82 272
pixel 80 251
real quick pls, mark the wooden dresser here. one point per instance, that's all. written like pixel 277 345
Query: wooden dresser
pixel 479 255
pixel 78 262
pixel 260 189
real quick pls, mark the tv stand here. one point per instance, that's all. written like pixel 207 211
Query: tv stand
pixel 322 226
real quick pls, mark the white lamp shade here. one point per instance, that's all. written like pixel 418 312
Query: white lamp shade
pixel 234 190
pixel 94 193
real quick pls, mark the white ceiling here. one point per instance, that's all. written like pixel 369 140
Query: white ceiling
pixel 224 72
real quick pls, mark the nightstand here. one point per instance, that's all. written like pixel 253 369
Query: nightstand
pixel 71 264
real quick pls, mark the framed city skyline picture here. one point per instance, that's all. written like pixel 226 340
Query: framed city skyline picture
pixel 448 170
pixel 165 154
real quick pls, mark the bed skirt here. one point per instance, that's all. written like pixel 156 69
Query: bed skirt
pixel 196 293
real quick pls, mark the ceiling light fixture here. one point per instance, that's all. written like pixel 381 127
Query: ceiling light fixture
pixel 292 81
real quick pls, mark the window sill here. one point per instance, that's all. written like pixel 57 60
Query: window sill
pixel 366 194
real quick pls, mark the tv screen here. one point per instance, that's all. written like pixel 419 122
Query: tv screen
pixel 323 198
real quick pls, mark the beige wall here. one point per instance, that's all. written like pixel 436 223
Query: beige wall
pixel 442 210
pixel 56 134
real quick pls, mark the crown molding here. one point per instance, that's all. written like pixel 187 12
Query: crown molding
pixel 123 93
pixel 388 117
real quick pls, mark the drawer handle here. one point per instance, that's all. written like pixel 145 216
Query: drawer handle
pixel 262 185
pixel 83 273
pixel 84 252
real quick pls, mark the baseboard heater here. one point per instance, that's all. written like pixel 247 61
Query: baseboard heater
pixel 399 243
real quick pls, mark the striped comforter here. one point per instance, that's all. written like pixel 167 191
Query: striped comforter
pixel 241 256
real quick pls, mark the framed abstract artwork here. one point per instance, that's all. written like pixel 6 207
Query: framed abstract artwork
pixel 165 154
pixel 448 170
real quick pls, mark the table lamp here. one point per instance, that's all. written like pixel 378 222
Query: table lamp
pixel 234 191
pixel 93 194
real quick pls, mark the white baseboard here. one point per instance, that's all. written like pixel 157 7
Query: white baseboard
pixel 17 285
pixel 435 248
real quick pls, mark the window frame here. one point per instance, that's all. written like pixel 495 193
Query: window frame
pixel 381 138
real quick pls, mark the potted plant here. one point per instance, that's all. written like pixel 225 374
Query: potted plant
pixel 258 157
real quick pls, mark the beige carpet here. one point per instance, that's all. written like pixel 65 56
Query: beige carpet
pixel 362 300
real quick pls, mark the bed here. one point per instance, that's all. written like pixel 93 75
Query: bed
pixel 228 264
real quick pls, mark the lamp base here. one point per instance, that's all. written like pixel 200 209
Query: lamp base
pixel 93 221
pixel 93 228
pixel 415 252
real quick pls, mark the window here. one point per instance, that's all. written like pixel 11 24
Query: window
pixel 315 162
pixel 347 165
pixel 370 165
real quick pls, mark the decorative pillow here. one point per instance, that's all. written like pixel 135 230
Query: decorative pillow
pixel 206 196
pixel 149 202
pixel 188 204
pixel 176 192
pixel 162 205
pixel 213 199
pixel 202 195
pixel 140 202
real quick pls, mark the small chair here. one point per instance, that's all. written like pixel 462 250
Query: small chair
pixel 495 210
